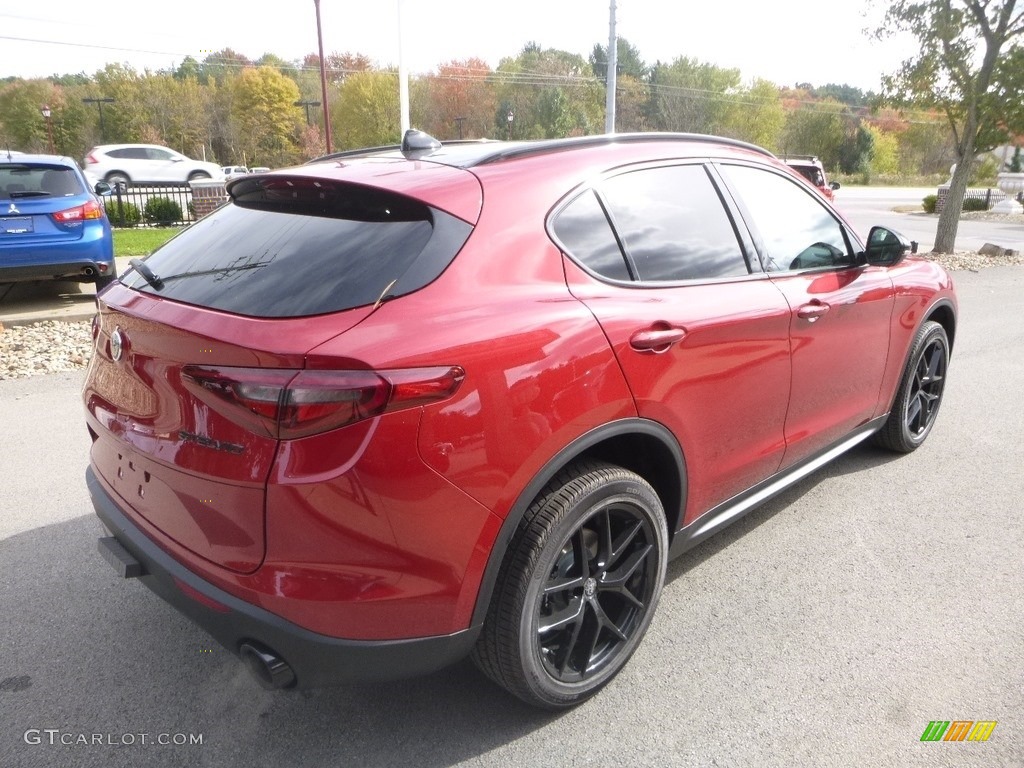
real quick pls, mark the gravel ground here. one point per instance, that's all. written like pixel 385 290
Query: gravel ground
pixel 49 347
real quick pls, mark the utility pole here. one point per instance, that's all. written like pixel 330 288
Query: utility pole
pixel 403 78
pixel 99 103
pixel 323 78
pixel 307 103
pixel 613 63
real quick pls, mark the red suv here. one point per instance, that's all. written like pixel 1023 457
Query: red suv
pixel 401 406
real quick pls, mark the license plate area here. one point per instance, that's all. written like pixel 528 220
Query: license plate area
pixel 16 225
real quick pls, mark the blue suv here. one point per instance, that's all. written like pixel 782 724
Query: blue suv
pixel 52 226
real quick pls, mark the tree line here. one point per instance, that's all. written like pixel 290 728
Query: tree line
pixel 234 110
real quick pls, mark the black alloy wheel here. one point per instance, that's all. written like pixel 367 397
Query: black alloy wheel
pixel 578 588
pixel 920 393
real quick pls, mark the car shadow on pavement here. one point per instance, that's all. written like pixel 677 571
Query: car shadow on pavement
pixel 87 653
pixel 47 298
pixel 861 458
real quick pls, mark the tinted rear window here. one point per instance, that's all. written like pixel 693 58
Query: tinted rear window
pixel 19 180
pixel 296 247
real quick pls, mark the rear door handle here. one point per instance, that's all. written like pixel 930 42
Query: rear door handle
pixel 811 312
pixel 656 339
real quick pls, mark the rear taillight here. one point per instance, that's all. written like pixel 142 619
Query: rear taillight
pixel 91 210
pixel 90 159
pixel 286 404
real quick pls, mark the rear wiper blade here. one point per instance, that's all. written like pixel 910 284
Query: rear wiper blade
pixel 24 193
pixel 147 274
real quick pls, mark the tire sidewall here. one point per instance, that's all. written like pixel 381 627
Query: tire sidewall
pixel 639 495
pixel 928 333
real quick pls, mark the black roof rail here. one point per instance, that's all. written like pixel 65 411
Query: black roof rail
pixel 491 151
pixel 526 148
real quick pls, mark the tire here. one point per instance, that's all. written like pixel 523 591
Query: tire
pixel 117 179
pixel 103 282
pixel 920 393
pixel 578 587
pixel 196 175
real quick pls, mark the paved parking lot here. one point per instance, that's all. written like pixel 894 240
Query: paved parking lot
pixel 826 629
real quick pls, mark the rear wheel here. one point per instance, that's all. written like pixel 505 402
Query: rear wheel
pixel 920 393
pixel 578 587
pixel 196 175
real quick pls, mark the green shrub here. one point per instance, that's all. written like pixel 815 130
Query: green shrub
pixel 162 210
pixel 975 204
pixel 929 203
pixel 124 215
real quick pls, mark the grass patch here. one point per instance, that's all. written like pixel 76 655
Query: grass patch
pixel 141 242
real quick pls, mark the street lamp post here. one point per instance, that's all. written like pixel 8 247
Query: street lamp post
pixel 510 117
pixel 49 126
pixel 307 103
pixel 460 121
pixel 99 103
pixel 323 78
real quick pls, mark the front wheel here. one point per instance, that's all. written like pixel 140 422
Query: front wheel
pixel 198 175
pixel 578 587
pixel 920 393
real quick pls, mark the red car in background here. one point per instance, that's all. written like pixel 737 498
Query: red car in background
pixel 404 405
pixel 811 169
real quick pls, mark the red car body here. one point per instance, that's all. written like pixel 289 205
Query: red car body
pixel 372 549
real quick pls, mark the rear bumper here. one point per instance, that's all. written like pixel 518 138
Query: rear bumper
pixel 82 271
pixel 317 660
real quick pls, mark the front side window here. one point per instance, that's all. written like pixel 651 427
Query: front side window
pixel 673 224
pixel 797 231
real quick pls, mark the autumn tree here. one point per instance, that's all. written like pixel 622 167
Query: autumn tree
pixel 365 113
pixel 965 69
pixel 755 114
pixel 820 129
pixel 264 112
pixel 550 93
pixel 689 95
pixel 458 101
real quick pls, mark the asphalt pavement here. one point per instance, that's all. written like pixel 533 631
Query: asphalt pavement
pixel 827 628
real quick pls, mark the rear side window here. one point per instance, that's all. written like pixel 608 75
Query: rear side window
pixel 673 224
pixel 291 247
pixel 583 230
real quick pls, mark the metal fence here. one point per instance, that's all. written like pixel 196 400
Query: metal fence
pixel 155 206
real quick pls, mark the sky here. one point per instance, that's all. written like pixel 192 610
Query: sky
pixel 787 41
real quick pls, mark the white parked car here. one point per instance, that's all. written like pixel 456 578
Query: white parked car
pixel 128 164
pixel 231 171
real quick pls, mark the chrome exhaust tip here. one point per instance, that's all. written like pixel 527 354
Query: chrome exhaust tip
pixel 271 671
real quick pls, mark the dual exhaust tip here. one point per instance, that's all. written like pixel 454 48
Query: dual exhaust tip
pixel 271 671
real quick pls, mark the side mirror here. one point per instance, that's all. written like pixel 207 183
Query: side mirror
pixel 835 184
pixel 887 248
pixel 103 188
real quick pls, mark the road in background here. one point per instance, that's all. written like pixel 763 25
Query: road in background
pixel 865 207
pixel 827 628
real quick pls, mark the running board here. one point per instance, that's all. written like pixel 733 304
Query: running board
pixel 717 518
